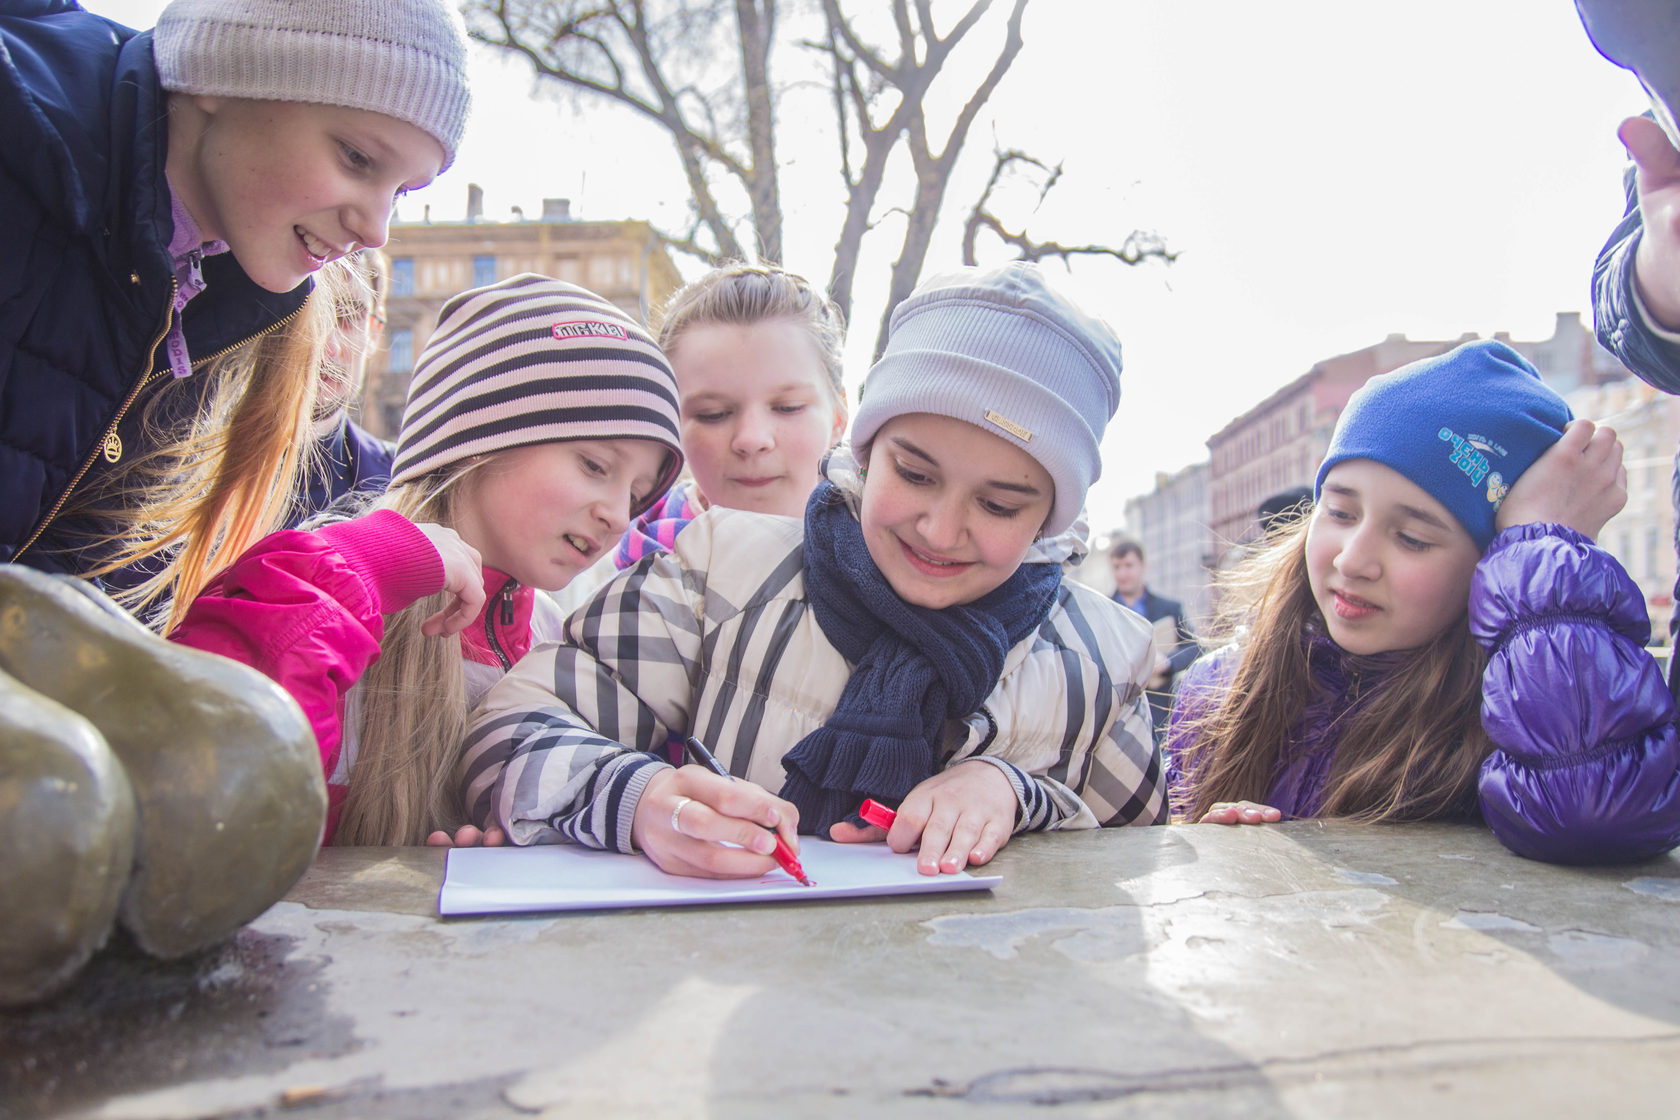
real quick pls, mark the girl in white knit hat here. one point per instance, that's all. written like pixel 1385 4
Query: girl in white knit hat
pixel 540 420
pixel 909 642
pixel 169 197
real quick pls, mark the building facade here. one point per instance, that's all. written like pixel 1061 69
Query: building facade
pixel 1170 522
pixel 624 261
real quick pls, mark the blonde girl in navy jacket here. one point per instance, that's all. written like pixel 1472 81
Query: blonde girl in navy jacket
pixel 169 196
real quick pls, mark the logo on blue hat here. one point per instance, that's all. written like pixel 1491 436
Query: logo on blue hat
pixel 1470 454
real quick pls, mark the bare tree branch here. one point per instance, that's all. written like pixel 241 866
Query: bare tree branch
pixel 1139 245
pixel 701 71
pixel 933 171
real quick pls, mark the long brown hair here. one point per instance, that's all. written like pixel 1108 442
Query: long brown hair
pixel 409 713
pixel 1409 750
pixel 222 478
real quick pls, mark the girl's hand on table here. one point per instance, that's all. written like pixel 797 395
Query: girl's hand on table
pixel 959 817
pixel 1241 812
pixel 467 836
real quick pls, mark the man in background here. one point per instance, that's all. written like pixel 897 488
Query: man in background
pixel 1175 642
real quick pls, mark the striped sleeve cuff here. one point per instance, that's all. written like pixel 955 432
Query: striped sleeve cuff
pixel 1032 808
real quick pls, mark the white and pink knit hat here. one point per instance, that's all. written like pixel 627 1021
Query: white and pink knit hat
pixel 404 58
pixel 535 360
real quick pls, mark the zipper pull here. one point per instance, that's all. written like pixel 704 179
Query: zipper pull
pixel 195 258
pixel 507 603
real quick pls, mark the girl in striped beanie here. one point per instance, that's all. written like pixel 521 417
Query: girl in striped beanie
pixel 541 419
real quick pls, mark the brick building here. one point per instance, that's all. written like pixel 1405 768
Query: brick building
pixel 1170 522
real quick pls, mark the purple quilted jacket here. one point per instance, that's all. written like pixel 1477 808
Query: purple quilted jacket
pixel 1587 763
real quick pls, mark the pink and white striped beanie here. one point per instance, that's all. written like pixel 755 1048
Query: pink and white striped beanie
pixel 535 360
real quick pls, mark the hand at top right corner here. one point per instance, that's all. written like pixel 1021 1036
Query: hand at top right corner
pixel 1656 263
pixel 1580 482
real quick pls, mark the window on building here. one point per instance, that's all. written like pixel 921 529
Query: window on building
pixel 1653 549
pixel 402 350
pixel 402 276
pixel 484 271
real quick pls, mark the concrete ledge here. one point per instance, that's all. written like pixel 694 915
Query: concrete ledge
pixel 1300 970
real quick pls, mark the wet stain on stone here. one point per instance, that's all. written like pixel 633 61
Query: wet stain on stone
pixel 1666 889
pixel 1483 921
pixel 1365 878
pixel 1085 935
pixel 1586 949
pixel 129 1023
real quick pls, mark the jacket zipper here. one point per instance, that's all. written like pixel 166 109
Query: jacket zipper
pixel 504 607
pixel 109 445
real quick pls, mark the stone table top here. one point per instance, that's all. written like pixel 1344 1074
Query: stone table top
pixel 1302 970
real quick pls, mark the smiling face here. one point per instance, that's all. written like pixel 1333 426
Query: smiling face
pixel 757 413
pixel 544 512
pixel 1389 567
pixel 949 511
pixel 291 185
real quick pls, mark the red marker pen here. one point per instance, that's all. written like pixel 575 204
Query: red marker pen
pixel 785 859
pixel 876 813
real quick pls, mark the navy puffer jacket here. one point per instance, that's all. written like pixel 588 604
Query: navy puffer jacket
pixel 86 280
pixel 1586 766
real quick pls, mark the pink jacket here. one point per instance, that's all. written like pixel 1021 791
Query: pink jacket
pixel 308 610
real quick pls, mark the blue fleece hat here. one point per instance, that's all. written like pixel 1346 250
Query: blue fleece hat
pixel 1463 426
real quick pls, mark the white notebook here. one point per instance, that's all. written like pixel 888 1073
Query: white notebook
pixel 567 877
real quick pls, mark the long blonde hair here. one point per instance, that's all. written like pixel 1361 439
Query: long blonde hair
pixel 217 481
pixel 1408 750
pixel 411 715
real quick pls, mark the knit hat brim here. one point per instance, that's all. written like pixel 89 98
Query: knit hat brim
pixel 1005 352
pixel 1463 426
pixel 534 360
pixel 403 58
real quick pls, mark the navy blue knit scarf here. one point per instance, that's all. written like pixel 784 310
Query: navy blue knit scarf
pixel 914 668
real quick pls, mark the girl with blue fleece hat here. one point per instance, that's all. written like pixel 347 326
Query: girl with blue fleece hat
pixel 1441 637
pixel 911 640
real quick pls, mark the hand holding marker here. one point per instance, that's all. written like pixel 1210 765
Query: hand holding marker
pixel 785 859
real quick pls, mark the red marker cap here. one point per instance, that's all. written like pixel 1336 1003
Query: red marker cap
pixel 876 813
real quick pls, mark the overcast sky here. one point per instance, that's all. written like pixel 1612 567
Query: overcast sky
pixel 1330 172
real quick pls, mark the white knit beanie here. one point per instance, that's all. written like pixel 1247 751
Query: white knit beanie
pixel 535 360
pixel 1005 351
pixel 403 58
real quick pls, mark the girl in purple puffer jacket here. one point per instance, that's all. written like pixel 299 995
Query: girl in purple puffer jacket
pixel 1438 639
